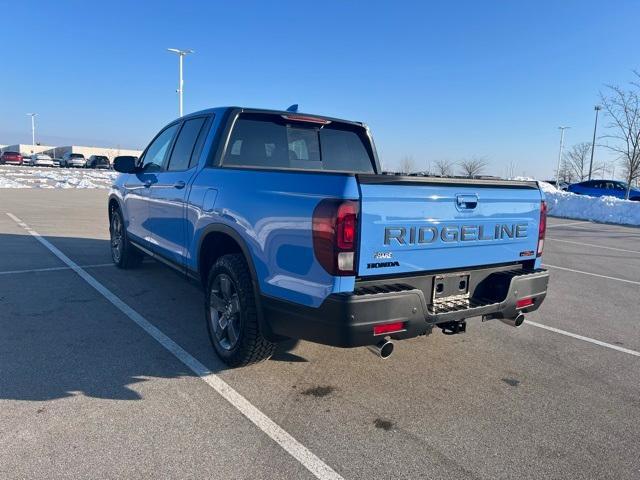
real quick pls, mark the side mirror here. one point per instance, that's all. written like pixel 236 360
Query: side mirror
pixel 125 164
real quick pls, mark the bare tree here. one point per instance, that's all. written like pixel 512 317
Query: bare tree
pixel 566 173
pixel 407 165
pixel 444 168
pixel 622 107
pixel 576 162
pixel 473 166
pixel 511 169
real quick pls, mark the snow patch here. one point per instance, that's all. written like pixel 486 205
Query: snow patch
pixel 596 209
pixel 8 183
pixel 12 176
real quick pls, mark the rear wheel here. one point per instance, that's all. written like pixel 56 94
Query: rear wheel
pixel 231 314
pixel 123 253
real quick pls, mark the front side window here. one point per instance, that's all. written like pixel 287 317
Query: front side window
pixel 156 152
pixel 273 141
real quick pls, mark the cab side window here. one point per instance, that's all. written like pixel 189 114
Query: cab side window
pixel 155 155
pixel 185 145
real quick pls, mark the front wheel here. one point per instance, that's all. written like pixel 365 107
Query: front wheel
pixel 232 316
pixel 123 253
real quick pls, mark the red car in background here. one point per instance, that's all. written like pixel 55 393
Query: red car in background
pixel 12 158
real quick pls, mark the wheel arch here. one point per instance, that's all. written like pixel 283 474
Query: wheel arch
pixel 113 203
pixel 217 240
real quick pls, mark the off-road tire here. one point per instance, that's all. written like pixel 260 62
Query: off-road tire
pixel 126 256
pixel 250 346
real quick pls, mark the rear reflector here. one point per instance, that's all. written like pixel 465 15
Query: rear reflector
pixel 524 302
pixel 388 328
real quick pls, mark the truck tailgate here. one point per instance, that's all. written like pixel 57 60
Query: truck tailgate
pixel 411 224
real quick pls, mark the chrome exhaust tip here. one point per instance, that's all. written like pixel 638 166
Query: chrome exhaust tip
pixel 383 349
pixel 517 321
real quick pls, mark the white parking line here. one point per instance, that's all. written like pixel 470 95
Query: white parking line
pixel 298 451
pixel 565 224
pixel 592 245
pixel 53 269
pixel 593 274
pixel 602 230
pixel 585 339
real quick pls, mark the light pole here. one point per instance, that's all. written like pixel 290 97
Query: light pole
pixel 562 129
pixel 33 131
pixel 597 108
pixel 181 54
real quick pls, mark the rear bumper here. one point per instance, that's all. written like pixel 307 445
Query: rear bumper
pixel 347 320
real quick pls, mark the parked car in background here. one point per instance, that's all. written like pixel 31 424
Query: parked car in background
pixel 40 160
pixel 56 162
pixel 562 185
pixel 73 160
pixel 10 158
pixel 602 188
pixel 98 161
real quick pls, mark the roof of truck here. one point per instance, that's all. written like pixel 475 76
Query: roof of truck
pixel 220 110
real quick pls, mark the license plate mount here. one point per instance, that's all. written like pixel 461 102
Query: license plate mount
pixel 450 285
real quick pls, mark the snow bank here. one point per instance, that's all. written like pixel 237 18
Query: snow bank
pixel 596 209
pixel 8 183
pixel 12 176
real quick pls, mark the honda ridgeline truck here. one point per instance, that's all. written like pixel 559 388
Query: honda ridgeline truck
pixel 294 232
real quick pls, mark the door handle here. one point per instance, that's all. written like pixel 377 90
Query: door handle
pixel 179 184
pixel 466 202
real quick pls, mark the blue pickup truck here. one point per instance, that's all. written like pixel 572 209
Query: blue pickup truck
pixel 293 231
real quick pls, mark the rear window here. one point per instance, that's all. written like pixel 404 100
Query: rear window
pixel 272 141
pixel 76 155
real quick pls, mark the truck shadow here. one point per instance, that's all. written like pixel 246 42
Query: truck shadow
pixel 284 352
pixel 60 337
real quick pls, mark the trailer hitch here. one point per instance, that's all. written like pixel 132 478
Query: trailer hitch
pixel 453 328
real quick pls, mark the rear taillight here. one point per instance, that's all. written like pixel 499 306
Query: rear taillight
pixel 335 224
pixel 542 227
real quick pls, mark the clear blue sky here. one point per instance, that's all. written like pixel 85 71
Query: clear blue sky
pixel 433 80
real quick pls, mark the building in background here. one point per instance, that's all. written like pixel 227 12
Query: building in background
pixel 26 150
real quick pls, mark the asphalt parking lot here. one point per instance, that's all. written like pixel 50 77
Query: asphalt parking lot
pixel 86 392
